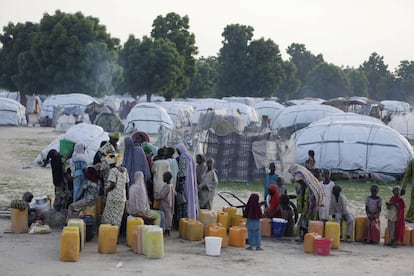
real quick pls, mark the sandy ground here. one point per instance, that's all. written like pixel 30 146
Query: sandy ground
pixel 38 254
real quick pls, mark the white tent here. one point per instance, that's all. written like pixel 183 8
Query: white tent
pixel 12 112
pixel 404 124
pixel 74 100
pixel 90 135
pixel 268 108
pixel 148 117
pixel 395 106
pixel 248 113
pixel 305 101
pixel 347 116
pixel 180 113
pixel 354 145
pixel 296 117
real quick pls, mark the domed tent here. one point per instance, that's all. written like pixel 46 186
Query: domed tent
pixel 12 112
pixel 109 121
pixel 354 145
pixel 404 124
pixel 268 108
pixel 295 117
pixel 148 117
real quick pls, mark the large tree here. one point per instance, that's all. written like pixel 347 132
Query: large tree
pixel 380 80
pixel 69 53
pixel 327 81
pixel 290 85
pixel 358 82
pixel 204 82
pixel 151 66
pixel 175 28
pixel 405 78
pixel 15 40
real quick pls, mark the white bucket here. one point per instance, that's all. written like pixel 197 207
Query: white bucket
pixel 213 246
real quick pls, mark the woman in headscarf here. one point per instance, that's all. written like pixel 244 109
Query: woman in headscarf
pixel 169 153
pixel 186 184
pixel 273 202
pixel 58 177
pixel 78 166
pixel 135 160
pixel 138 204
pixel 310 196
pixel 115 191
pixel 253 213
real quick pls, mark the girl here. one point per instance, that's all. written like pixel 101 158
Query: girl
pixel 253 213
pixel 373 209
pixel 166 197
pixel 396 222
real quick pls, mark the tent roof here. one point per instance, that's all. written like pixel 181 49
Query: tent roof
pixel 148 117
pixel 65 100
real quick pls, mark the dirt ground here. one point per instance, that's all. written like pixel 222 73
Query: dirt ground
pixel 38 254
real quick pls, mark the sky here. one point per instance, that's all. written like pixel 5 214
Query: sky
pixel 345 32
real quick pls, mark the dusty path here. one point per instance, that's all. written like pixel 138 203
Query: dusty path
pixel 24 254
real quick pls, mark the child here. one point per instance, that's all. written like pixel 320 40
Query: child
pixel 395 216
pixel 166 196
pixel 327 185
pixel 310 162
pixel 373 209
pixel 270 178
pixel 281 188
pixel 207 187
pixel 287 214
pixel 338 210
pixel 253 213
pixel 78 166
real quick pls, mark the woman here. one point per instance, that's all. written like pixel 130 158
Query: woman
pixel 186 186
pixel 135 160
pixel 58 177
pixel 274 203
pixel 138 203
pixel 207 187
pixel 310 196
pixel 78 166
pixel 115 191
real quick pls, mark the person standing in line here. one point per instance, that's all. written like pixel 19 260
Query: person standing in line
pixel 78 167
pixel 409 179
pixel 373 205
pixel 201 167
pixel 160 166
pixel 395 216
pixel 339 211
pixel 310 162
pixel 327 185
pixel 134 160
pixel 253 213
pixel 115 191
pixel 207 187
pixel 166 197
pixel 270 178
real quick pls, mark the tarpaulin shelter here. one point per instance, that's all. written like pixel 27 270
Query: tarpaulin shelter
pixel 404 124
pixel 148 117
pixel 352 145
pixel 12 112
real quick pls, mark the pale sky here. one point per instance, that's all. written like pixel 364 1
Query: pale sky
pixel 345 32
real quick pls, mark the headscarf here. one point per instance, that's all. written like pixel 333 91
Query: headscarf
pixel 79 153
pixel 135 160
pixel 400 205
pixel 300 172
pixel 107 148
pixel 138 203
pixel 253 210
pixel 274 198
pixel 190 184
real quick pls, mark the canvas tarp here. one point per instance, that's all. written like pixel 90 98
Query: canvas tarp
pixel 148 117
pixel 90 135
pixel 404 124
pixel 354 145
pixel 12 112
pixel 234 157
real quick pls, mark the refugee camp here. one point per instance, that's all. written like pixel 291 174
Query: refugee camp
pixel 139 151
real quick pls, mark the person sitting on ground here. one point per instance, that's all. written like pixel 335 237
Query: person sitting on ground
pixel 207 187
pixel 166 196
pixel 373 205
pixel 27 199
pixel 138 203
pixel 339 211
pixel 88 195
pixel 395 216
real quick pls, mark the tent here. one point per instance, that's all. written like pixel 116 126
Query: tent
pixel 109 121
pixel 404 124
pixel 90 135
pixel 351 145
pixel 295 117
pixel 268 108
pixel 33 104
pixel 222 122
pixel 148 117
pixel 12 112
pixel 180 113
pixel 67 101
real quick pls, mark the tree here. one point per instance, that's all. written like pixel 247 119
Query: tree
pixel 304 60
pixel 16 40
pixel 380 80
pixel 152 66
pixel 204 82
pixel 358 82
pixel 405 79
pixel 327 81
pixel 69 53
pixel 175 28
pixel 290 85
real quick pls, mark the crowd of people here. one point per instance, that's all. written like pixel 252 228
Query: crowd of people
pixel 160 185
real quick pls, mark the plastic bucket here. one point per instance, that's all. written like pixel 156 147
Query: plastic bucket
pixel 278 227
pixel 213 246
pixel 66 147
pixel 323 246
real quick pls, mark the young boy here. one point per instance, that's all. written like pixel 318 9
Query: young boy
pixel 166 196
pixel 395 216
pixel 270 178
pixel 207 187
pixel 338 210
pixel 327 185
pixel 373 209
